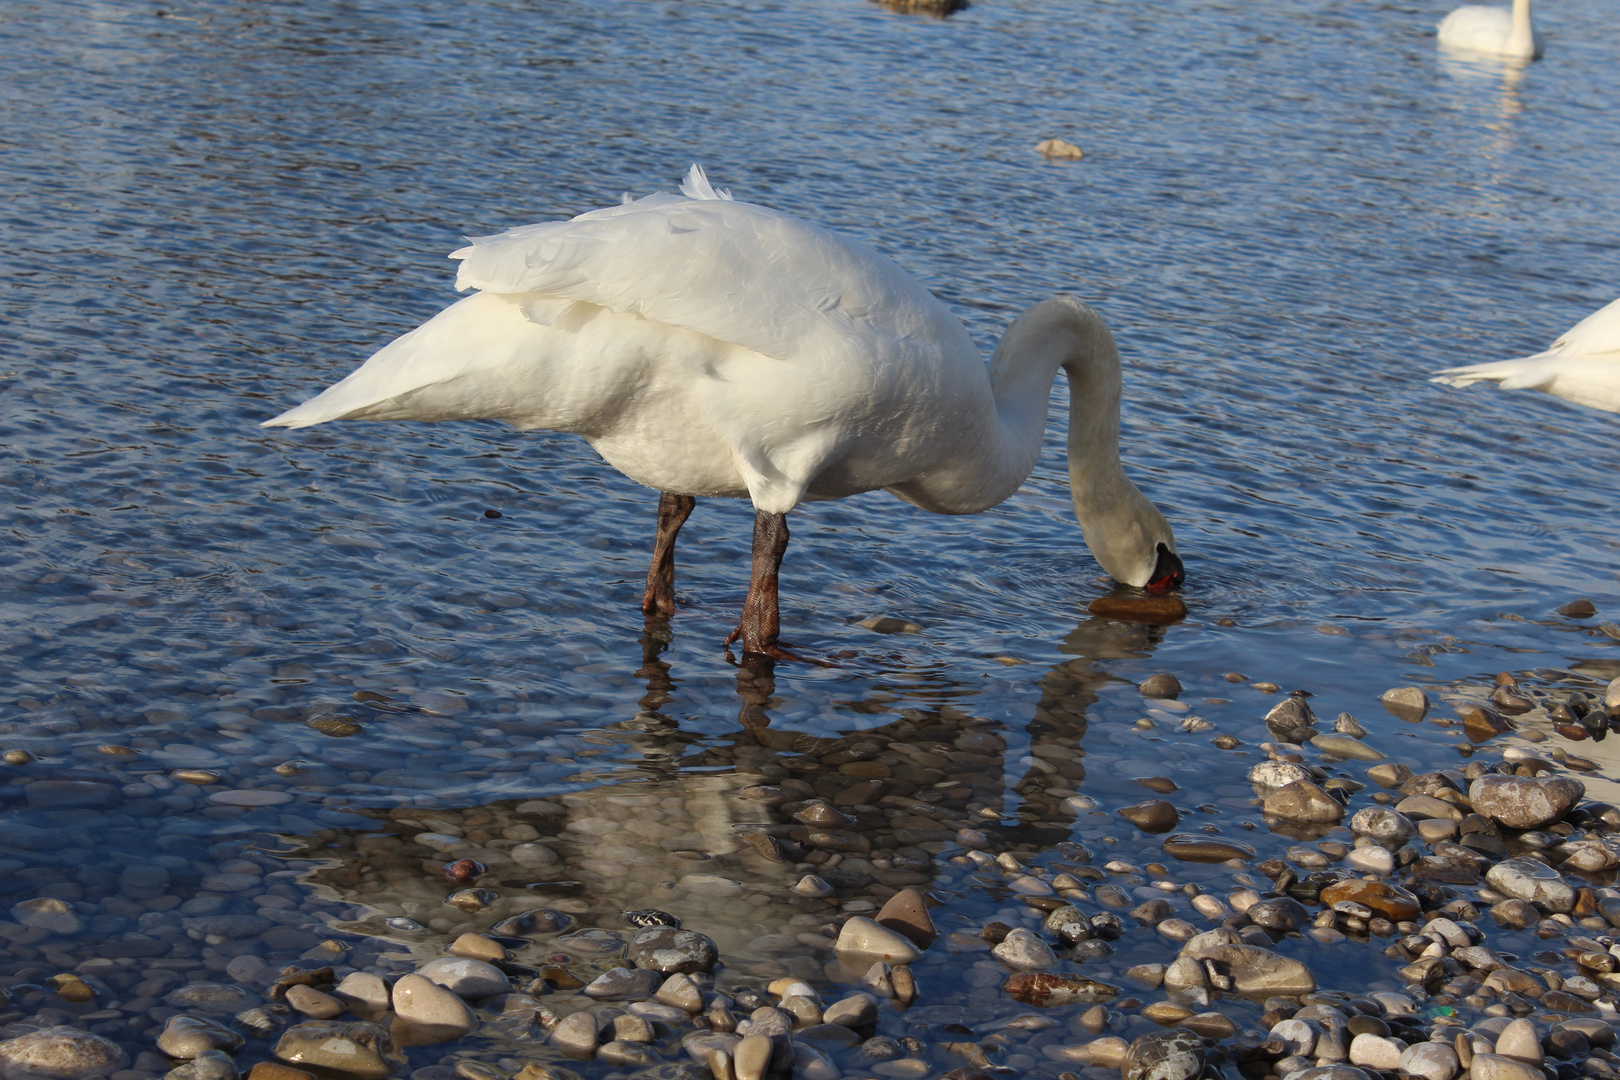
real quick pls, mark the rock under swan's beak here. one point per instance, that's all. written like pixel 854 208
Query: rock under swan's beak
pixel 1168 573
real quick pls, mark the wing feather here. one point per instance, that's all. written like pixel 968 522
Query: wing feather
pixel 735 271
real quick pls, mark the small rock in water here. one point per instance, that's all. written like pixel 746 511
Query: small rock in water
pixel 357 1048
pixel 1407 702
pixel 1164 1055
pixel 1163 685
pixel 1578 609
pixel 185 1037
pixel 1059 150
pixel 208 1065
pixel 1152 610
pixel 1153 816
pixel 1303 801
pixel 645 917
pixel 668 950
pixel 1045 989
pixel 861 936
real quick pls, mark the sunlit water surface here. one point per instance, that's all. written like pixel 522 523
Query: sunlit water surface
pixel 1288 211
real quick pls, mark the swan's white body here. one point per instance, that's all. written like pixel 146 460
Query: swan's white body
pixel 1494 30
pixel 706 346
pixel 1582 366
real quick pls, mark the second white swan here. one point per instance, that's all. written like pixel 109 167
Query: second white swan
pixel 1494 30
pixel 709 347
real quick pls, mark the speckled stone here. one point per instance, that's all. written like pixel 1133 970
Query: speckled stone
pixel 1525 802
pixel 63 1052
pixel 1532 881
pixel 356 1047
pixel 1164 1055
pixel 667 949
pixel 185 1037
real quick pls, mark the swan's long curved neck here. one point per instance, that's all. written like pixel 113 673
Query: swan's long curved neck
pixel 1521 34
pixel 1063 333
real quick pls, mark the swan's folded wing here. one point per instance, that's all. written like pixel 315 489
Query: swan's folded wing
pixel 734 271
pixel 1598 333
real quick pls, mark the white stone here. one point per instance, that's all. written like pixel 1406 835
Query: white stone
pixel 863 937
pixel 1430 1061
pixel 751 1057
pixel 533 855
pixel 364 993
pixel 1375 1051
pixel 1372 858
pixel 576 1034
pixel 466 978
pixel 1025 950
pixel 1520 1042
pixel 1184 972
pixel 1497 1067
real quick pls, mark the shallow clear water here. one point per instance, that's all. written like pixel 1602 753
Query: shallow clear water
pixel 1289 213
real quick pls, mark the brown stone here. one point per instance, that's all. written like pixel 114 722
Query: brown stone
pixel 1481 722
pixel 1044 989
pixel 1153 610
pixel 1303 801
pixel 270 1070
pixel 1390 901
pixel 1152 816
pixel 906 912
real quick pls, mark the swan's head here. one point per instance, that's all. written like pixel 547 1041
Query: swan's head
pixel 1131 540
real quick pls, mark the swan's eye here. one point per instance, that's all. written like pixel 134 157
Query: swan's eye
pixel 1168 573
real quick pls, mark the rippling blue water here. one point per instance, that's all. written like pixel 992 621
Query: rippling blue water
pixel 1290 212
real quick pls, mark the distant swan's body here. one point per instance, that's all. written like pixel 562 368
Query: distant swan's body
pixel 1498 31
pixel 1582 366
pixel 708 347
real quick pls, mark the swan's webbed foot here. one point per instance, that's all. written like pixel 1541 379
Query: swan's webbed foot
pixel 673 510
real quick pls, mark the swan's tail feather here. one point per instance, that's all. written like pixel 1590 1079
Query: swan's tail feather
pixel 468 362
pixel 697 186
pixel 1524 373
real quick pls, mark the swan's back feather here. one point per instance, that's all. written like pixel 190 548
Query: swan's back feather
pixel 734 271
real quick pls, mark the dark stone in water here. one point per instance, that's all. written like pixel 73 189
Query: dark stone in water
pixel 650 917
pixel 1191 847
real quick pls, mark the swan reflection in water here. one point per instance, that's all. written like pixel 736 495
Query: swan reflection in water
pixel 763 835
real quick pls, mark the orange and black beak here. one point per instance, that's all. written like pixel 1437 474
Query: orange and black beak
pixel 1168 573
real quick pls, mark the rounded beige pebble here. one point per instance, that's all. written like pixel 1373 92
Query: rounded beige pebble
pixel 1059 150
pixel 425 1004
pixel 1106 1053
pixel 1375 1051
pixel 1497 1067
pixel 576 1034
pixel 250 797
pixel 1519 1041
pixel 184 1037
pixel 199 777
pixel 863 937
pixel 312 1003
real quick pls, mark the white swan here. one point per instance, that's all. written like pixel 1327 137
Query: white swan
pixel 1499 31
pixel 1582 366
pixel 706 346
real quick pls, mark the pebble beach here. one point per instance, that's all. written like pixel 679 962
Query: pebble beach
pixel 1229 882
